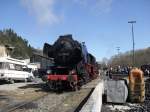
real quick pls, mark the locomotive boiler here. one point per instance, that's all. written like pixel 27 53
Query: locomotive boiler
pixel 73 65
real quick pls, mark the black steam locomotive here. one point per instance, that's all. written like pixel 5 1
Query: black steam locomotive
pixel 73 67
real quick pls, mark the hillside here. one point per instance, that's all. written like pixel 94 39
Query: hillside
pixel 142 56
pixel 22 48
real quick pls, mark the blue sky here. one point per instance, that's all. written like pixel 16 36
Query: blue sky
pixel 102 24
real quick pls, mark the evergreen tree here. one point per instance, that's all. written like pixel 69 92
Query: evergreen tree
pixel 21 46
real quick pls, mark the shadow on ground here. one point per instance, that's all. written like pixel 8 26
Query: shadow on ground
pixel 39 86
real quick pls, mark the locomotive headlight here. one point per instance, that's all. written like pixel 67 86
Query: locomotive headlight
pixel 72 72
pixel 49 72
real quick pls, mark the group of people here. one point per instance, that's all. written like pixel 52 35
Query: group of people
pixel 126 70
pixel 146 69
pixel 120 70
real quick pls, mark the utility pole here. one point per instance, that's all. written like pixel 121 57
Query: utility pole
pixel 133 53
pixel 118 50
pixel 118 56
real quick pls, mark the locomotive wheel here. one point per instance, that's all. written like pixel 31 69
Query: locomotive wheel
pixel 59 86
pixel 11 81
pixel 76 87
pixel 49 85
pixel 79 87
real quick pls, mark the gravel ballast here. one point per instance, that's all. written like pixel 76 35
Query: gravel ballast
pixel 59 102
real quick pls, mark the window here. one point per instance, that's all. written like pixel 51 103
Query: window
pixel 6 65
pixel 11 66
pixel 18 67
pixel 1 65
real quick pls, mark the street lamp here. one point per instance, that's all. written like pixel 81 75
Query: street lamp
pixel 133 57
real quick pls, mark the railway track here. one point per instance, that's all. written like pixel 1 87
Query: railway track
pixel 53 102
pixel 16 105
pixel 30 104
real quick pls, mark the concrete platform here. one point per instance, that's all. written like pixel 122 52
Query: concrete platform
pixel 94 103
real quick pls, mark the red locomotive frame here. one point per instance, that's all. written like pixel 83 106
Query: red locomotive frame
pixel 72 78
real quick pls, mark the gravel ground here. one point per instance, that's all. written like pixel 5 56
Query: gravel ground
pixel 12 94
pixel 64 102
pixel 128 107
pixel 9 87
pixel 45 104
